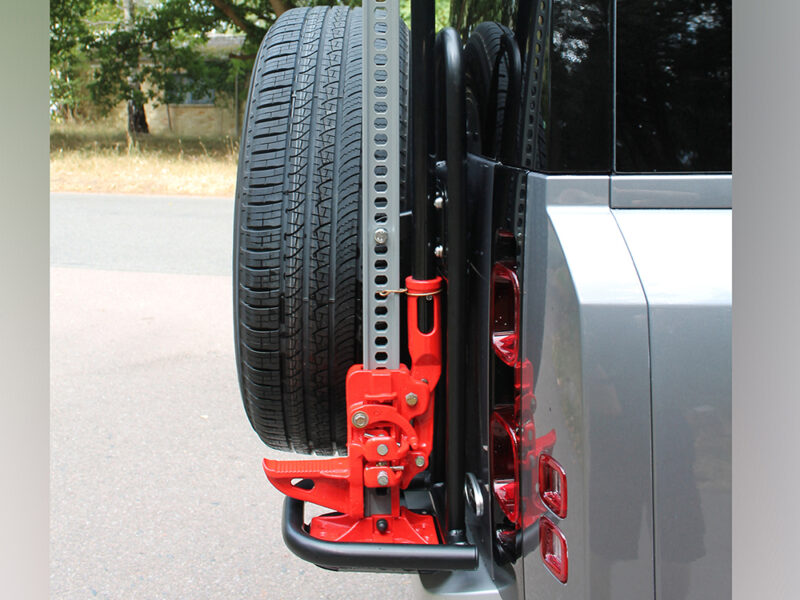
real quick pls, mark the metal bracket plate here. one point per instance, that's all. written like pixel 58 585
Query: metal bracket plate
pixel 380 224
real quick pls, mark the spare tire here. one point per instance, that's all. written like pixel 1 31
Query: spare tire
pixel 485 115
pixel 296 271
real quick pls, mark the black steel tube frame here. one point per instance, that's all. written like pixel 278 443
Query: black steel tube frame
pixel 371 557
pixel 450 78
pixel 421 94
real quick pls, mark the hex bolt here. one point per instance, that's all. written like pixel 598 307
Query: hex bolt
pixel 381 236
pixel 411 399
pixel 420 461
pixel 438 202
pixel 383 449
pixel 383 478
pixel 360 419
pixel 438 252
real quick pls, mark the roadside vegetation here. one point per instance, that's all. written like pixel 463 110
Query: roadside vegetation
pixel 110 56
pixel 101 157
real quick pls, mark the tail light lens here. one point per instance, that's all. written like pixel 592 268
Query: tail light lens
pixel 505 313
pixel 553 546
pixel 553 485
pixel 504 422
pixel 505 462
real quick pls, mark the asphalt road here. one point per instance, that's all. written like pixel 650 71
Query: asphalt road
pixel 156 488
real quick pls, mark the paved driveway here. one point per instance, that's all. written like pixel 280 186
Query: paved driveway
pixel 156 484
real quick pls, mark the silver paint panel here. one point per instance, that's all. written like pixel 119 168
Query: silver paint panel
pixel 635 322
pixel 488 582
pixel 571 190
pixel 593 389
pixel 471 585
pixel 671 191
pixel 684 261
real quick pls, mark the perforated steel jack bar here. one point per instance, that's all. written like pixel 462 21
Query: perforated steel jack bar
pixel 381 184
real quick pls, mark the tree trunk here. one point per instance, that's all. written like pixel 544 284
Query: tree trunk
pixel 279 7
pixel 137 120
pixel 234 18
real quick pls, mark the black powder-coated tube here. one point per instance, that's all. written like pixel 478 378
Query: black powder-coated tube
pixel 450 74
pixel 371 557
pixel 421 94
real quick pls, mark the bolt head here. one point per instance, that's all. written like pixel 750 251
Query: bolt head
pixel 383 478
pixel 383 449
pixel 360 419
pixel 382 525
pixel 411 399
pixel 438 252
pixel 381 236
pixel 420 461
pixel 438 202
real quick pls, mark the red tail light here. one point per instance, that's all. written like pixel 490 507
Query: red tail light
pixel 553 546
pixel 505 462
pixel 553 485
pixel 505 313
pixel 504 425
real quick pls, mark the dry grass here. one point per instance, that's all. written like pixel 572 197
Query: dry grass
pixel 97 158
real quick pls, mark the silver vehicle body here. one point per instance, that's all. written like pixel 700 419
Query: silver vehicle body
pixel 629 334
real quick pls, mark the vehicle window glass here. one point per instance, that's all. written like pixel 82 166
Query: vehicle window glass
pixel 576 105
pixel 673 86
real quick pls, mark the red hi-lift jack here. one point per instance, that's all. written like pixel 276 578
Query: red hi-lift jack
pixel 389 441
pixel 390 411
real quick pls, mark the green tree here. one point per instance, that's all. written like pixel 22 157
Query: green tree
pixel 137 58
pixel 107 51
pixel 71 25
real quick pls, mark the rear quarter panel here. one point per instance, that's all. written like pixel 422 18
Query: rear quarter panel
pixel 683 258
pixel 629 335
pixel 592 388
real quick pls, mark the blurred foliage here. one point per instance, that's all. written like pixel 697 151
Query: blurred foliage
pixel 442 13
pixel 73 23
pixel 95 54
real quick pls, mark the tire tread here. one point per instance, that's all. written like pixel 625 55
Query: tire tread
pixel 297 290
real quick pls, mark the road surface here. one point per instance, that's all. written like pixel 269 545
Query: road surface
pixel 156 485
